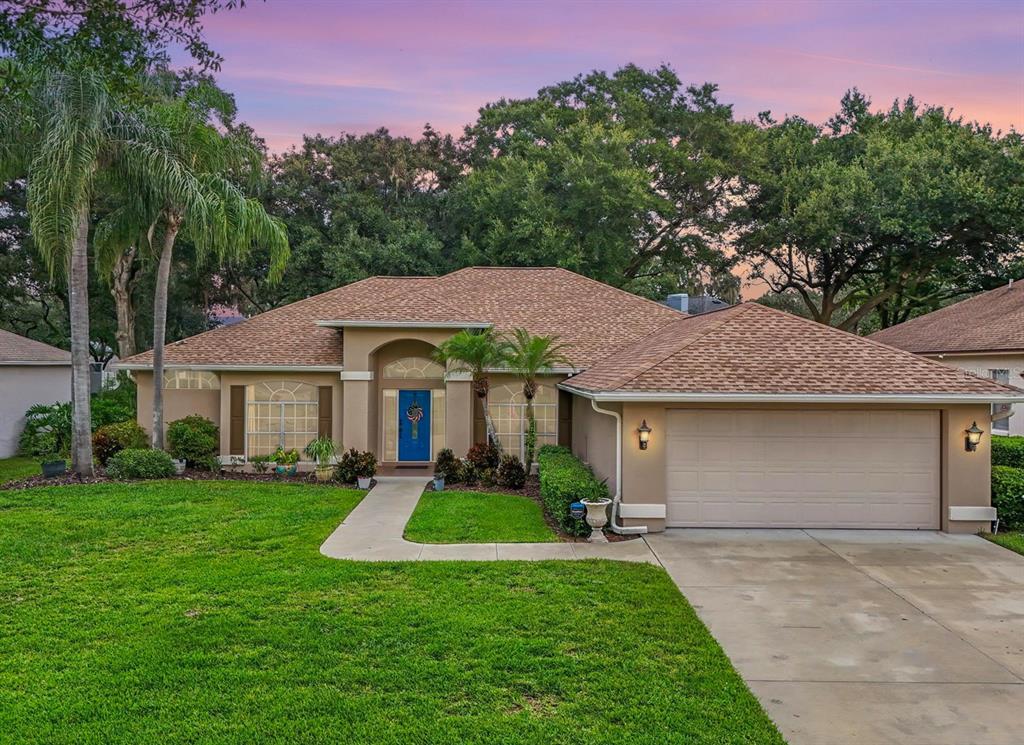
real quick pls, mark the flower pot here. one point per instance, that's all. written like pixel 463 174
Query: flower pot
pixel 284 470
pixel 363 483
pixel 53 468
pixel 439 483
pixel 324 473
pixel 179 466
pixel 597 513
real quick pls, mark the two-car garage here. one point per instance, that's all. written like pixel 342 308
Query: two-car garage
pixel 802 468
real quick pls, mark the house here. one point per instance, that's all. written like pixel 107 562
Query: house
pixel 983 335
pixel 756 417
pixel 30 373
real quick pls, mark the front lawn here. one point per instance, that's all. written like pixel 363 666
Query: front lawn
pixel 477 517
pixel 1012 541
pixel 15 469
pixel 202 612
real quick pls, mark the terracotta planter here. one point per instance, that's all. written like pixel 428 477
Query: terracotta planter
pixel 597 514
pixel 324 473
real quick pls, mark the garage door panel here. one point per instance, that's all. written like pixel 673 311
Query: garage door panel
pixel 750 468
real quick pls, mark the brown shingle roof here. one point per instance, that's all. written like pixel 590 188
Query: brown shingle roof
pixel 592 319
pixel 990 322
pixel 752 349
pixel 15 349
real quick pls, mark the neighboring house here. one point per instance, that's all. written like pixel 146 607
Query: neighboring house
pixel 30 373
pixel 757 417
pixel 983 335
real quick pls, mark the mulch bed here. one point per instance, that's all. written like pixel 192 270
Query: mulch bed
pixel 73 479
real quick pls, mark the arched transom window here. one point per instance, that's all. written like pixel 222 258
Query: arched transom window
pixel 413 367
pixel 280 413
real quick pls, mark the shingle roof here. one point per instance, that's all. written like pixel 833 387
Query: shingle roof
pixel 15 349
pixel 753 349
pixel 990 322
pixel 590 318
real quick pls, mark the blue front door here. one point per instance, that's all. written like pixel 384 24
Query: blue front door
pixel 414 425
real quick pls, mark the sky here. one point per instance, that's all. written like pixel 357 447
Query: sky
pixel 326 66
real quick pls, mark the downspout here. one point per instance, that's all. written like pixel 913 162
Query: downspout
pixel 616 528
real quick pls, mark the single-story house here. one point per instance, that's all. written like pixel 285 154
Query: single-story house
pixel 30 373
pixel 983 335
pixel 757 418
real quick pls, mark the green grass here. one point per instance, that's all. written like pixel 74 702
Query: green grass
pixel 15 469
pixel 202 612
pixel 1012 541
pixel 475 517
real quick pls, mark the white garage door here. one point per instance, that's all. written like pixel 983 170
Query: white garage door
pixel 823 469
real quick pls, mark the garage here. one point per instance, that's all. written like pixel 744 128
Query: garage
pixel 803 468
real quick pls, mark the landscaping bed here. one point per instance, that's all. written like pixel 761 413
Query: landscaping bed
pixel 202 611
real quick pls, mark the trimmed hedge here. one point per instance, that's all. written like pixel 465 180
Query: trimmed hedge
pixel 1008 496
pixel 138 463
pixel 564 479
pixel 1008 451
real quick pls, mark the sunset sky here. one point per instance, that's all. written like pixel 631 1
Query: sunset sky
pixel 308 66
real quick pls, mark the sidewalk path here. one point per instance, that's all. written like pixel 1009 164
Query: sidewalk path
pixel 373 532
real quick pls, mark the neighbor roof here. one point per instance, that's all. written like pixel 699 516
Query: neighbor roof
pixel 990 322
pixel 751 350
pixel 590 318
pixel 20 350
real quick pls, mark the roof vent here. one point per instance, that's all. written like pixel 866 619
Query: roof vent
pixel 694 305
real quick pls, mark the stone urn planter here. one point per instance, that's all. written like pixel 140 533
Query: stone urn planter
pixel 597 516
pixel 324 473
pixel 179 466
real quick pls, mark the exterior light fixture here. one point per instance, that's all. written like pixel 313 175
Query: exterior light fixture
pixel 973 437
pixel 645 434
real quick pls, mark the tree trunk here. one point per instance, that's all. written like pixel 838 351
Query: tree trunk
pixel 163 279
pixel 531 433
pixel 78 302
pixel 122 288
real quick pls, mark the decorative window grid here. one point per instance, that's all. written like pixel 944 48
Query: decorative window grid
pixel 280 414
pixel 191 380
pixel 507 407
pixel 420 368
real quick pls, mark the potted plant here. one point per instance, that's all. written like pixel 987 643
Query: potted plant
pixel 287 462
pixel 179 465
pixel 365 468
pixel 445 467
pixel 322 450
pixel 260 463
pixel 597 515
pixel 53 465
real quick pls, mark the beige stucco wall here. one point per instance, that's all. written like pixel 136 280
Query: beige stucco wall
pixel 22 386
pixel 981 364
pixel 965 475
pixel 177 404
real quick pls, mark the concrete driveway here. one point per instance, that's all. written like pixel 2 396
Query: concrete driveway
pixel 866 637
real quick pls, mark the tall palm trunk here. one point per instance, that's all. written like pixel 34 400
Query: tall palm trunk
pixel 122 289
pixel 530 450
pixel 78 303
pixel 163 280
pixel 482 387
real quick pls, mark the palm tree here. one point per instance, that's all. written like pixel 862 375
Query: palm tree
pixel 65 133
pixel 530 356
pixel 476 353
pixel 223 222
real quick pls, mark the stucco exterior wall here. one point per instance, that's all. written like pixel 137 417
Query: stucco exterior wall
pixel 177 403
pixel 965 476
pixel 22 386
pixel 981 365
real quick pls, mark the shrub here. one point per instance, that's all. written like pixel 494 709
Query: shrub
pixel 321 450
pixel 193 439
pixel 1008 496
pixel 448 466
pixel 47 430
pixel 1008 451
pixel 511 472
pixel 111 439
pixel 354 464
pixel 564 479
pixel 483 456
pixel 260 463
pixel 113 405
pixel 139 463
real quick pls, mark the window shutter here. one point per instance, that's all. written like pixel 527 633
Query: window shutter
pixel 325 411
pixel 237 431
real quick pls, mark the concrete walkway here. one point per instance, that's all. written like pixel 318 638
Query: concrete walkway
pixel 373 532
pixel 867 637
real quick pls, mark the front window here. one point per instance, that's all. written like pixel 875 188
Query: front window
pixel 419 368
pixel 191 380
pixel 507 407
pixel 1000 426
pixel 281 414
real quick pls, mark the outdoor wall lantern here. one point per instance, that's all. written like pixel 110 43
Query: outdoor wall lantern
pixel 645 434
pixel 973 437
